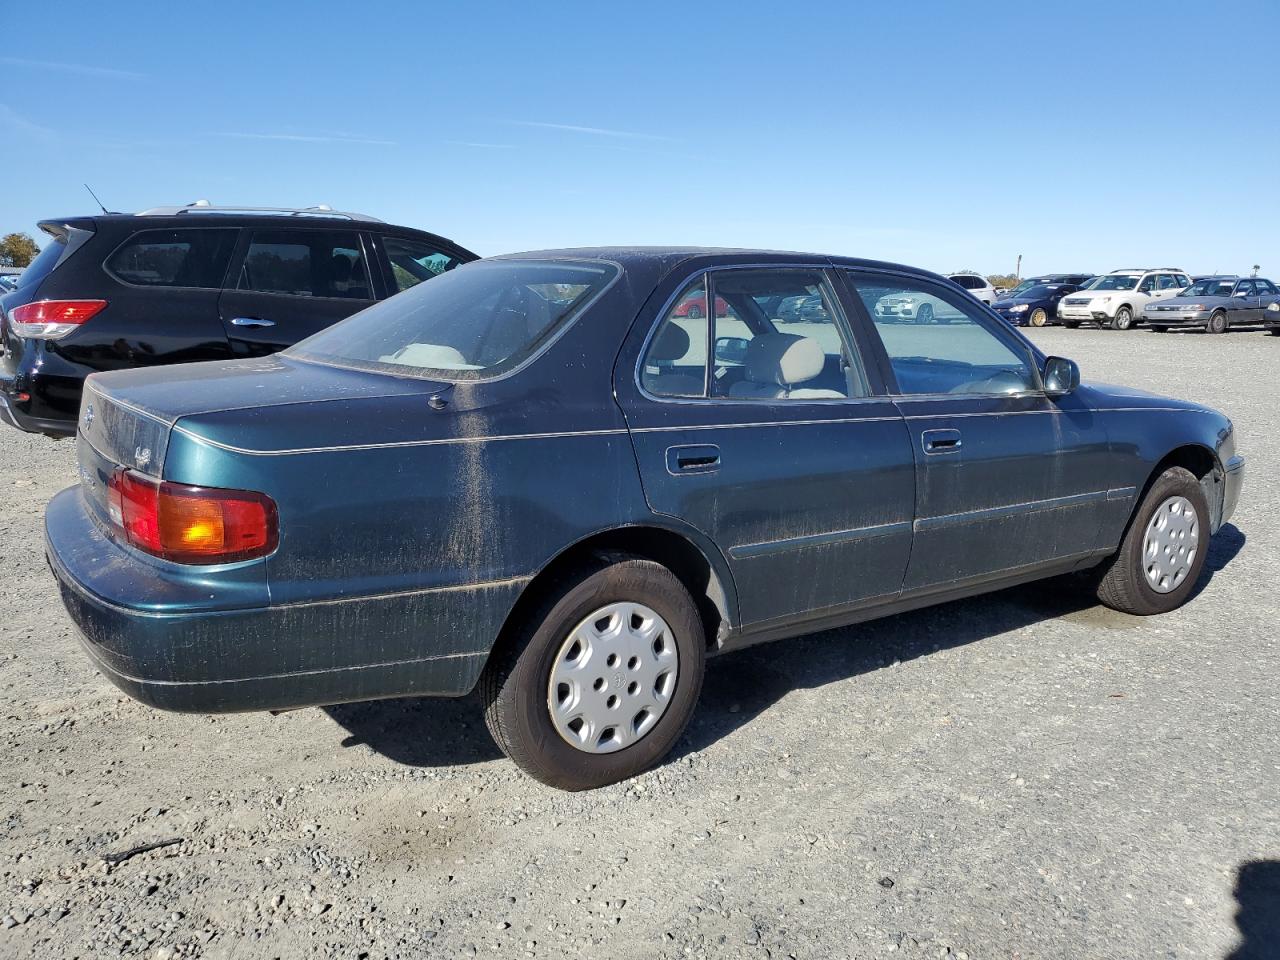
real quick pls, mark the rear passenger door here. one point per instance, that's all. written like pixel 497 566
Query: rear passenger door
pixel 287 284
pixel 762 428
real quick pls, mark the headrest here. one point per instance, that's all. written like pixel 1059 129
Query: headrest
pixel 671 344
pixel 783 359
pixel 341 267
pixel 432 355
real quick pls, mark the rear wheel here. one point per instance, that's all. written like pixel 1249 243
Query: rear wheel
pixel 1071 324
pixel 1038 317
pixel 1160 329
pixel 925 313
pixel 602 680
pixel 1217 322
pixel 1123 319
pixel 694 312
pixel 1163 552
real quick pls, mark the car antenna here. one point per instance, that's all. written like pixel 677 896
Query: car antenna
pixel 95 198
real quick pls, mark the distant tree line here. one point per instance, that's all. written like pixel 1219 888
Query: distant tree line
pixel 17 250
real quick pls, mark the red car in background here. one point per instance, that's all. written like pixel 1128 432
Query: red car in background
pixel 696 306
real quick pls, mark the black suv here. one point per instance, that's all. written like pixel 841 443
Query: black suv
pixel 177 284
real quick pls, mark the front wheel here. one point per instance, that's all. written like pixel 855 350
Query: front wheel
pixel 1038 317
pixel 694 312
pixel 1217 323
pixel 925 313
pixel 1071 324
pixel 601 681
pixel 1163 551
pixel 1159 329
pixel 1123 319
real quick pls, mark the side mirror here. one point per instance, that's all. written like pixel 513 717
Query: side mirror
pixel 1061 376
pixel 731 350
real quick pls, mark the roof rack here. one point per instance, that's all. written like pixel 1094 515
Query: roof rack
pixel 1148 269
pixel 204 206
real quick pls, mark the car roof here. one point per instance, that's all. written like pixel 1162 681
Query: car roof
pixel 241 217
pixel 673 256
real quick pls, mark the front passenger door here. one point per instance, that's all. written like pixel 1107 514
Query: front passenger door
pixel 289 284
pixel 1244 303
pixel 1006 477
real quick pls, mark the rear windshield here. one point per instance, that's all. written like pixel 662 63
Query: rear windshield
pixel 43 264
pixel 472 323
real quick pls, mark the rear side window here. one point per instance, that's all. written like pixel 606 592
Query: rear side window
pixel 413 261
pixel 306 263
pixel 467 324
pixel 173 258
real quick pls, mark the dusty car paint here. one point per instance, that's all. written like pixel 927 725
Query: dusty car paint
pixel 415 514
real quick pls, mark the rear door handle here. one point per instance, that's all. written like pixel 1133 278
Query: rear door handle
pixel 252 322
pixel 940 441
pixel 693 458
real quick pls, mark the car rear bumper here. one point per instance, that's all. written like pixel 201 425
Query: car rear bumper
pixel 13 416
pixel 173 655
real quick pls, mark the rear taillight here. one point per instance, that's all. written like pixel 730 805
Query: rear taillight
pixel 192 524
pixel 52 319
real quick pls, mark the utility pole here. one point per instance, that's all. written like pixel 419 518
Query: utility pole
pixel 1017 271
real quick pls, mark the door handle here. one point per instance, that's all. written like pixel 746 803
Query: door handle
pixel 252 322
pixel 940 441
pixel 693 458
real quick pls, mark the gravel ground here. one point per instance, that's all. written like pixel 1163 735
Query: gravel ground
pixel 1020 775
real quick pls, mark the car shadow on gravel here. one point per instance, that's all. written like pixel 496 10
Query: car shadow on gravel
pixel 740 686
pixel 1258 911
pixel 437 732
pixel 419 731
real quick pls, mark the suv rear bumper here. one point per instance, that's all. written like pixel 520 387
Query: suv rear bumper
pixel 14 417
pixel 167 653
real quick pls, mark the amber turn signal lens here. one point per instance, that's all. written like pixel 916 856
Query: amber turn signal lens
pixel 190 524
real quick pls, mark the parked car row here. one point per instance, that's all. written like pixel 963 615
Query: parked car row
pixel 1162 298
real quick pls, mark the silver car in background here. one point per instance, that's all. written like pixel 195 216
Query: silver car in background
pixel 1214 304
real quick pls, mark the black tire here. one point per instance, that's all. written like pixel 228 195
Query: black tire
pixel 1123 320
pixel 925 313
pixel 515 682
pixel 694 312
pixel 1274 331
pixel 1071 324
pixel 1122 583
pixel 1039 317
pixel 1217 322
pixel 1159 329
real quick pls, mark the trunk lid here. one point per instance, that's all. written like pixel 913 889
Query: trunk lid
pixel 127 416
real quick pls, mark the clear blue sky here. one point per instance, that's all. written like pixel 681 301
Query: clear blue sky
pixel 1082 135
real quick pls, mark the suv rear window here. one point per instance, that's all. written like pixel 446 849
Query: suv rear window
pixel 173 258
pixel 43 264
pixel 468 324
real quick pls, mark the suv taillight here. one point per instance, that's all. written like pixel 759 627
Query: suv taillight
pixel 52 319
pixel 192 524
